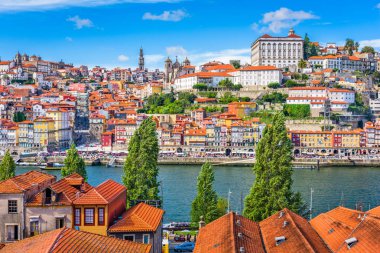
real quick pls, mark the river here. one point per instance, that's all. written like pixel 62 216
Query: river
pixel 332 186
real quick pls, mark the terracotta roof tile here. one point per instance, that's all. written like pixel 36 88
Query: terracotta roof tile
pixel 24 182
pixel 141 217
pixel 70 240
pixel 103 194
pixel 228 234
pixel 298 233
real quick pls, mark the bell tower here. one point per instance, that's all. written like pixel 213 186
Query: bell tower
pixel 141 59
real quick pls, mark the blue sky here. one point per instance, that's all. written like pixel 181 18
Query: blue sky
pixel 110 32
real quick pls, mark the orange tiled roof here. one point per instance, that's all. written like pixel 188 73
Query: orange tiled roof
pixel 258 68
pixel 70 240
pixel 298 233
pixel 141 217
pixel 24 182
pixel 221 236
pixel 67 189
pixel 103 194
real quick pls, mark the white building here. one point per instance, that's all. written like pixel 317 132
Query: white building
pixel 316 97
pixel 280 52
pixel 212 79
pixel 253 76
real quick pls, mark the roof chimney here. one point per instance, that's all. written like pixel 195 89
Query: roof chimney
pixel 201 223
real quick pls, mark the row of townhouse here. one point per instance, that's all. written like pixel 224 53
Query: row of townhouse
pixel 368 137
pixel 44 132
pixel 360 62
pixel 34 203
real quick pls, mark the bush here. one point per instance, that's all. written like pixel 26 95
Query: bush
pixel 292 83
pixel 297 111
pixel 208 94
pixel 274 97
pixel 200 86
pixel 274 85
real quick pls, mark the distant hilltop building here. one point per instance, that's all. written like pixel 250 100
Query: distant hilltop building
pixel 281 52
pixel 176 69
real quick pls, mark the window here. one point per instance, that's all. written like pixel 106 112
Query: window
pixel 59 222
pixel 89 216
pixel 12 233
pixel 129 238
pixel 34 227
pixel 146 238
pixel 100 216
pixel 12 206
pixel 77 216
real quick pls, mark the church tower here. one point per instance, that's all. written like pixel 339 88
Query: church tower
pixel 168 69
pixel 141 60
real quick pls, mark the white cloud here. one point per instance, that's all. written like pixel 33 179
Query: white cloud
pixel 373 43
pixel 154 58
pixel 69 39
pixel 176 51
pixel 276 21
pixel 123 58
pixel 174 16
pixel 38 5
pixel 80 23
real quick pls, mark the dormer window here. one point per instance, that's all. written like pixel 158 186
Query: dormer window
pixel 351 242
pixel 279 240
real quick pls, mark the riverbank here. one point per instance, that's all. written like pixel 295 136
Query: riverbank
pixel 216 161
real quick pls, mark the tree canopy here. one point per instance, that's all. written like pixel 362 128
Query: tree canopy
pixel 351 46
pixel 309 48
pixel 368 49
pixel 206 202
pixel 140 168
pixel 74 163
pixel 7 167
pixel 19 117
pixel 271 190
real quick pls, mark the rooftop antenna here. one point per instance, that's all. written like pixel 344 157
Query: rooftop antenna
pixel 311 204
pixel 228 200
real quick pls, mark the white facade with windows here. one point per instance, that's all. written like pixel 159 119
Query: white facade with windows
pixel 212 79
pixel 253 76
pixel 280 52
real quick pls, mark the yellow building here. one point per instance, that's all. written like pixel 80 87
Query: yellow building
pixel 96 210
pixel 61 126
pixel 44 131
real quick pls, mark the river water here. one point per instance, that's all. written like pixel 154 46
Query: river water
pixel 349 186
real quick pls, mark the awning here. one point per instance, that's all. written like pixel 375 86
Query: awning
pixel 34 218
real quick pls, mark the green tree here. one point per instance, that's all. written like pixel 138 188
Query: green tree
pixel 200 86
pixel 351 46
pixel 222 206
pixel 206 202
pixel 74 163
pixel 19 117
pixel 271 190
pixel 228 98
pixel 7 167
pixel 236 64
pixel 302 64
pixel 226 83
pixel 140 168
pixel 297 111
pixel 368 49
pixel 274 85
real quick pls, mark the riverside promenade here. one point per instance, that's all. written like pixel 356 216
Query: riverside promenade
pixel 316 162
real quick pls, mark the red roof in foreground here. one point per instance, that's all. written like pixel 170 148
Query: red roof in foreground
pixel 24 182
pixel 340 224
pixel 70 240
pixel 103 194
pixel 298 233
pixel 222 236
pixel 141 217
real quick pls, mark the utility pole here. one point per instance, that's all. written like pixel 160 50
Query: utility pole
pixel 228 200
pixel 311 203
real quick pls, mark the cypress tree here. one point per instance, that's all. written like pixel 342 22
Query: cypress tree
pixel 271 190
pixel 7 167
pixel 140 168
pixel 206 202
pixel 74 163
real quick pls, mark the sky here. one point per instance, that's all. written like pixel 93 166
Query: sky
pixel 109 33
